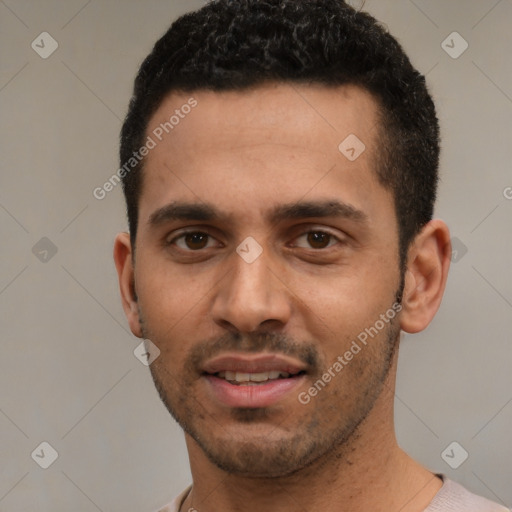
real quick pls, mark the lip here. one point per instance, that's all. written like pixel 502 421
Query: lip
pixel 252 397
pixel 253 364
pixel 257 395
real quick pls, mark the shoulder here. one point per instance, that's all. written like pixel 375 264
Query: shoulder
pixel 453 497
pixel 175 504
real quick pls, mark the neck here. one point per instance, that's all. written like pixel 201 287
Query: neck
pixel 368 472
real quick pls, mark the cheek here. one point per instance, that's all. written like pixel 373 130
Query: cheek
pixel 337 310
pixel 170 304
pixel 167 292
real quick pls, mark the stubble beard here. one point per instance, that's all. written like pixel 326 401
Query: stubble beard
pixel 262 456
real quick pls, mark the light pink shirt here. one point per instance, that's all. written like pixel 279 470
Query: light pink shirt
pixel 452 497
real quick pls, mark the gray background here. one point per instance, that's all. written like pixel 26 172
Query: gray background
pixel 68 374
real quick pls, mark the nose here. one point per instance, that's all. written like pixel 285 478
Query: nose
pixel 251 297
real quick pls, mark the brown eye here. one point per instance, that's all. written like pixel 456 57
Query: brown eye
pixel 318 239
pixel 196 240
pixel 193 241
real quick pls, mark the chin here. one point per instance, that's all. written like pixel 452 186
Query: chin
pixel 259 452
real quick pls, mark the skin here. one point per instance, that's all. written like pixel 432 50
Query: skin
pixel 307 295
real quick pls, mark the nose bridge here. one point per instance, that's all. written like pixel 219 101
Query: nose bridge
pixel 250 294
pixel 252 279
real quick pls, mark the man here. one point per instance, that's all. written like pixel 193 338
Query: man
pixel 280 167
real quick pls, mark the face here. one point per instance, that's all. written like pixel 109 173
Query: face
pixel 264 255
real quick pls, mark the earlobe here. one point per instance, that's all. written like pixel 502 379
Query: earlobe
pixel 126 276
pixel 428 263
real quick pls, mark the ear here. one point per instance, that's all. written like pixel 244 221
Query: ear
pixel 123 259
pixel 428 261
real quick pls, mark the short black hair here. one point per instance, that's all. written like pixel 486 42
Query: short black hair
pixel 239 44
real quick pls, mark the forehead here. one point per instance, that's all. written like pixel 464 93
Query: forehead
pixel 273 143
pixel 276 112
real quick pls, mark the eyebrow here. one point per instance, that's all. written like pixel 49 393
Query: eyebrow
pixel 184 211
pixel 307 209
pixel 300 210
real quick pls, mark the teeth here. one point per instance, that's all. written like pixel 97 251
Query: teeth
pixel 252 377
pixel 228 375
pixel 259 377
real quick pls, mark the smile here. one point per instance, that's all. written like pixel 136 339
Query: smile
pixel 253 379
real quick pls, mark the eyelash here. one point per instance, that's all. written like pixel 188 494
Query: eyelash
pixel 317 231
pixel 323 232
pixel 186 233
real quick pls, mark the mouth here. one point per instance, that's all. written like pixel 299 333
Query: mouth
pixel 252 381
pixel 255 379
